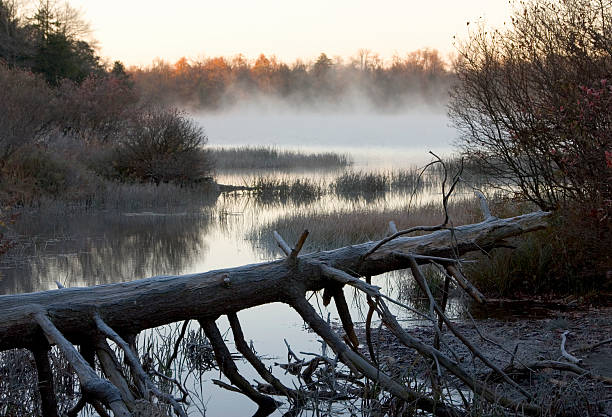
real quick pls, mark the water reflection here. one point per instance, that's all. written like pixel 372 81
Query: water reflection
pixel 99 248
pixel 88 248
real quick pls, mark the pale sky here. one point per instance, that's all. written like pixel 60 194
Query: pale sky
pixel 137 31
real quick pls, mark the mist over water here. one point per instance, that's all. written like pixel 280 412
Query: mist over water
pixel 230 230
pixel 373 138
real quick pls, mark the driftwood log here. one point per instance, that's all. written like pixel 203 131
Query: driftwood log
pixel 88 316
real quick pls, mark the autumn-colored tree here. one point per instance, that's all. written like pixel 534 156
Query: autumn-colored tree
pixel 215 82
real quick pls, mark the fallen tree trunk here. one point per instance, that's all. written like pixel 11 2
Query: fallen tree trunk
pixel 131 307
pixel 81 315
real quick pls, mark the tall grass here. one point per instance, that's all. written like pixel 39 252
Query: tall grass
pixel 350 185
pixel 269 157
pixel 275 190
pixel 355 185
pixel 111 195
pixel 346 227
pixel 361 185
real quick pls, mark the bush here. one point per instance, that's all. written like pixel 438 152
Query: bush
pixel 162 145
pixel 572 256
pixel 33 172
pixel 25 111
pixel 97 109
pixel 534 102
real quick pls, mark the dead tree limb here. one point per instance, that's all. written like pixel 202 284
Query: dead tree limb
pixel 560 366
pixel 112 369
pixel 131 307
pixel 255 362
pixel 428 351
pixel 266 404
pixel 565 353
pixel 353 360
pixel 45 380
pixel 91 383
pixel 136 366
pixel 418 275
pixel 177 344
pixel 464 283
pixel 345 316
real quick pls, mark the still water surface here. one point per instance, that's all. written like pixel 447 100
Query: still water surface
pixel 90 248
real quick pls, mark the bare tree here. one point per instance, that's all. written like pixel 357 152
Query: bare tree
pixel 533 102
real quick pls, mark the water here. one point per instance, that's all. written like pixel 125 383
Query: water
pixel 90 248
pixel 374 140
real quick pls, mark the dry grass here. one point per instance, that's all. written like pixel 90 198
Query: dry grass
pixel 268 157
pixel 19 395
pixel 346 227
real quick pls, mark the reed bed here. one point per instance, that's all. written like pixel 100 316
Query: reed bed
pixel 353 186
pixel 342 227
pixel 269 157
pixel 273 190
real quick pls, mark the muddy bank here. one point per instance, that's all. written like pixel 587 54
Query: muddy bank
pixel 514 342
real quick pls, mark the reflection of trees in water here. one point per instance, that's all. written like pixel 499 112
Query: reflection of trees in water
pixel 98 248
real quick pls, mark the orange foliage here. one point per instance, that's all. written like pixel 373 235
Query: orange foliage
pixel 213 82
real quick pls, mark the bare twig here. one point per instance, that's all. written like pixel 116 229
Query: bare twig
pixel 444 225
pixel 416 272
pixel 177 344
pixel 392 228
pixel 353 360
pixel 484 206
pixel 255 362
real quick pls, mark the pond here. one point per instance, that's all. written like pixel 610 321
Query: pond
pixel 82 248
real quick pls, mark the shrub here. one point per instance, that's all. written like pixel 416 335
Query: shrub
pixel 572 256
pixel 97 109
pixel 162 145
pixel 25 111
pixel 534 102
pixel 33 172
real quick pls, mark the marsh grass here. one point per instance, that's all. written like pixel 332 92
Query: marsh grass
pixel 278 190
pixel 570 257
pixel 19 395
pixel 362 185
pixel 353 186
pixel 269 157
pixel 122 196
pixel 343 227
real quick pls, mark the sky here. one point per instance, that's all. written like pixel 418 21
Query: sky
pixel 137 31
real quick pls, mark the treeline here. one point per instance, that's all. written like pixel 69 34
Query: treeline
pixel 48 41
pixel 219 82
pixel 69 125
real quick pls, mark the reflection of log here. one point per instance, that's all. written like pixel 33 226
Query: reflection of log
pixel 80 315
